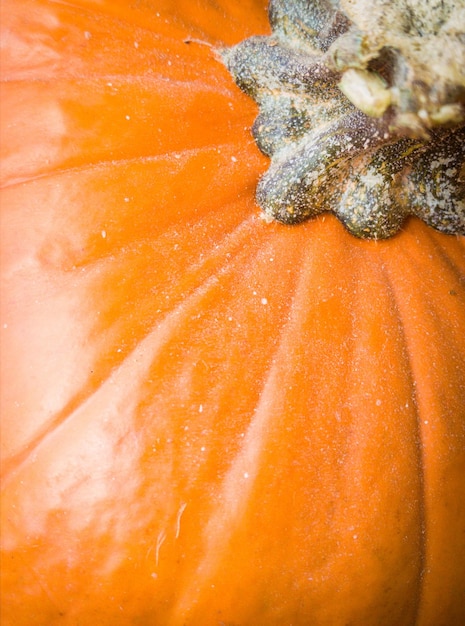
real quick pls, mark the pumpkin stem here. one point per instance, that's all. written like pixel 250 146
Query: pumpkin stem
pixel 362 111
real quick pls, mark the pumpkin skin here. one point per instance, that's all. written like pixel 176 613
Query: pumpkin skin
pixel 207 419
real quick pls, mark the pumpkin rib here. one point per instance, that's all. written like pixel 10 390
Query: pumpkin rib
pixel 92 12
pixel 226 269
pixel 62 149
pixel 52 428
pixel 156 70
pixel 238 483
pixel 410 373
pixel 440 416
pixel 31 195
pixel 200 85
pixel 196 288
pixel 281 388
pixel 448 260
pixel 393 354
pixel 100 166
pixel 92 36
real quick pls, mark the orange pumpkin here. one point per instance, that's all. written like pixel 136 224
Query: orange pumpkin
pixel 207 419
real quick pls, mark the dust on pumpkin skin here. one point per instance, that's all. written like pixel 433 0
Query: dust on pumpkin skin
pixel 362 112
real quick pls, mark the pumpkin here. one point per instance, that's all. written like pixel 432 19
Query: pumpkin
pixel 208 419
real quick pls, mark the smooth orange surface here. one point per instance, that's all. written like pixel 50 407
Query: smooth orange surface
pixel 207 419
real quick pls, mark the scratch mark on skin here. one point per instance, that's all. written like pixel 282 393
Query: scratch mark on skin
pixel 160 541
pixel 178 518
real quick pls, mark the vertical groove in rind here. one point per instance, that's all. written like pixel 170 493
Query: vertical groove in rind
pixel 423 530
